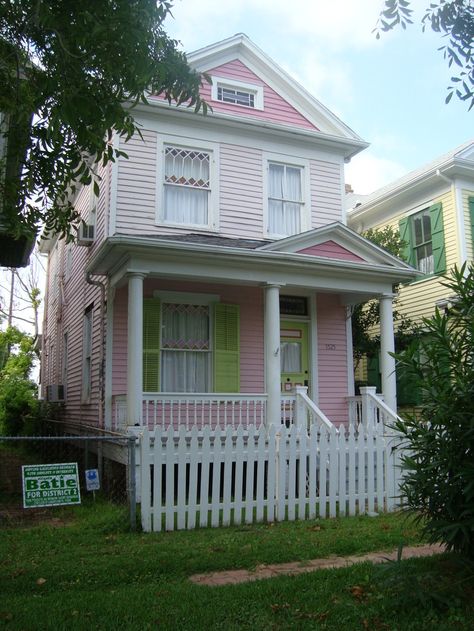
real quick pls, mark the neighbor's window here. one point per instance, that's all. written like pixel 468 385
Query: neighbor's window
pixel 422 243
pixel 285 199
pixel 185 348
pixel 187 186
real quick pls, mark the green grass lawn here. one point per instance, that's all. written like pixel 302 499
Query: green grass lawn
pixel 90 575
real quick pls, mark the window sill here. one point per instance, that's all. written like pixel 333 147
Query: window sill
pixel 425 278
pixel 188 227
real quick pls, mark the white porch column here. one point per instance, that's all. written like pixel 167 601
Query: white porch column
pixel 135 349
pixel 387 346
pixel 272 354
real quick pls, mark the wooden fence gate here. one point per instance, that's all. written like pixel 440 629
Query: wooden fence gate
pixel 222 477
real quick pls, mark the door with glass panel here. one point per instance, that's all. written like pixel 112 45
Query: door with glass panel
pixel 294 355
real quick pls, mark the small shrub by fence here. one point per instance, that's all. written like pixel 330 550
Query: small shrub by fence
pixel 111 456
pixel 223 477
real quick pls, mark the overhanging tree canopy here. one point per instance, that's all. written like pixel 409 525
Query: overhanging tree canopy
pixel 66 71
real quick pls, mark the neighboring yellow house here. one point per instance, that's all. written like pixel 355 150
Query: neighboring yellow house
pixel 433 208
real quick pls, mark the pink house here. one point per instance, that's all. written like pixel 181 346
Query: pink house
pixel 213 278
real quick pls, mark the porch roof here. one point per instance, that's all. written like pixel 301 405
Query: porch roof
pixel 239 264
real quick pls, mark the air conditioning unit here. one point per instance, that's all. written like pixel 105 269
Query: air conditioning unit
pixel 86 233
pixel 54 393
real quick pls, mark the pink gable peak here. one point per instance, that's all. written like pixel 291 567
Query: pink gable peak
pixel 275 108
pixel 332 250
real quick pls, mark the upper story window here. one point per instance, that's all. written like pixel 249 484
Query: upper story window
pixel 422 244
pixel 422 234
pixel 237 93
pixel 238 97
pixel 188 187
pixel 285 199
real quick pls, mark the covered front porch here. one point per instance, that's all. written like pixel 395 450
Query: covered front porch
pixel 201 335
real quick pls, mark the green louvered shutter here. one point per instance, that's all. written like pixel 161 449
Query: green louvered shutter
pixel 408 254
pixel 471 215
pixel 437 238
pixel 151 344
pixel 374 378
pixel 226 348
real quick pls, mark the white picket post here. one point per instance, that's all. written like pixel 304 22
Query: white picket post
pixel 226 499
pixel 250 475
pixel 145 458
pixel 239 465
pixel 303 450
pixel 352 469
pixel 181 500
pixel 313 463
pixel 272 472
pixel 193 477
pixel 333 469
pixel 157 480
pixel 204 491
pixel 323 463
pixel 170 452
pixel 342 443
pixel 260 473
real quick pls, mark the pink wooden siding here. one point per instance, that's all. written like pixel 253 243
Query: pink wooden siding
pixel 326 192
pixel 251 330
pixel 136 188
pixel 332 357
pixel 331 250
pixel 241 192
pixel 68 297
pixel 275 108
pixel 240 203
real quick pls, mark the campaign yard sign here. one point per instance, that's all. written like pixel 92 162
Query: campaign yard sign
pixel 50 485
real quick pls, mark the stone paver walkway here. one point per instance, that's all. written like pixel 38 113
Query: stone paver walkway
pixel 233 577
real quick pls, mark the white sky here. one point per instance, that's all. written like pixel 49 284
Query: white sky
pixel 390 91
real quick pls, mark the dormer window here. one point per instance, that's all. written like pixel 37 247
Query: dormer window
pixel 237 93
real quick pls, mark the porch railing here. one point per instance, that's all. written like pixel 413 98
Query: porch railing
pixel 185 410
pixel 307 412
pixel 370 408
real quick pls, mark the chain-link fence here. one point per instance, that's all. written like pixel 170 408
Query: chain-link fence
pixel 43 479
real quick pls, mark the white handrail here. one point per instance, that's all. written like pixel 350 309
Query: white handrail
pixel 311 408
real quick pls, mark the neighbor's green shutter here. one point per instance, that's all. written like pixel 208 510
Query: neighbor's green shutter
pixel 226 348
pixel 437 238
pixel 374 378
pixel 407 253
pixel 471 215
pixel 151 344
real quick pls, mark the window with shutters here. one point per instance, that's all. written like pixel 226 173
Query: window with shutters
pixel 185 348
pixel 423 239
pixel 190 344
pixel 188 176
pixel 422 245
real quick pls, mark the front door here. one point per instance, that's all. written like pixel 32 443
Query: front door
pixel 294 355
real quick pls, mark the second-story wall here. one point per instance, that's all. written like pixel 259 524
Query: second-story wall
pixel 239 180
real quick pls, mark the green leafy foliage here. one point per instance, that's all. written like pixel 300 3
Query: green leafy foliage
pixel 439 462
pixel 454 20
pixel 366 316
pixel 71 74
pixel 18 393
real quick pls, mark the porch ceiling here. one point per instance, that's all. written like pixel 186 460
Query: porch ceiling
pixel 120 255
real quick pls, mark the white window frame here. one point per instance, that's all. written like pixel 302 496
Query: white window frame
pixel 87 354
pixel 213 211
pixel 291 161
pixel 185 298
pixel 240 86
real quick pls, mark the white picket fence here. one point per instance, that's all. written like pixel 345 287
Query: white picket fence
pixel 222 477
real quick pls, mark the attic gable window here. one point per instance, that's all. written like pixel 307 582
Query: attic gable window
pixel 228 95
pixel 238 93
